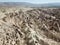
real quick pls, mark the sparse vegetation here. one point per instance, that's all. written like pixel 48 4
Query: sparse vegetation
pixel 30 26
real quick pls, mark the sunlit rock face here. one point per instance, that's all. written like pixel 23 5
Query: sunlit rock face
pixel 29 26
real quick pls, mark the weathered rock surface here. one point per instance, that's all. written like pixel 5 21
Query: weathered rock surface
pixel 30 26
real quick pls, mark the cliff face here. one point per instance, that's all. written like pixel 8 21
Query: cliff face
pixel 30 26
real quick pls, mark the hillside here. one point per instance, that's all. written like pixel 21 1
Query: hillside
pixel 29 26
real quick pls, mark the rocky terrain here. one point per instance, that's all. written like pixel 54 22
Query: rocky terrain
pixel 29 26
